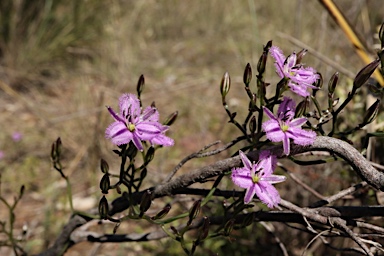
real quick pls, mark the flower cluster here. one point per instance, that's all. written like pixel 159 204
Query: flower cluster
pixel 257 178
pixel 133 124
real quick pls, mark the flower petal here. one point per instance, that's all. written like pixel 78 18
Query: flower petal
pixel 242 177
pixel 246 162
pixel 267 194
pixel 250 193
pixel 118 133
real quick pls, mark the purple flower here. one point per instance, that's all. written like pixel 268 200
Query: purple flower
pixel 17 136
pixel 283 127
pixel 299 77
pixel 136 126
pixel 257 178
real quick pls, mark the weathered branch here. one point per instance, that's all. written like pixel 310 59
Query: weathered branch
pixel 340 148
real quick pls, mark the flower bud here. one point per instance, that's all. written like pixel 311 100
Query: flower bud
pixel 228 227
pixel 194 211
pixel 143 174
pixel 104 166
pixel 171 118
pixel 132 150
pixel 105 184
pixel 140 85
pixel 58 147
pixel 371 113
pixel 252 125
pixel 22 189
pixel 248 220
pixel 381 35
pixel 146 201
pixel 150 155
pixel 301 108
pixel 365 74
pixel 161 214
pixel 225 85
pixel 300 55
pixel 103 208
pixel 332 83
pixel 262 63
pixel 204 230
pixel 247 77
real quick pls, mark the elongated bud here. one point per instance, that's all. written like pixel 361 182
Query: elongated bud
pixel 300 55
pixel 204 230
pixel 225 85
pixel 171 118
pixel 194 211
pixel 103 208
pixel 146 201
pixel 132 150
pixel 161 214
pixel 252 125
pixel 381 35
pixel 105 184
pixel 150 155
pixel 332 83
pixel 247 77
pixel 319 82
pixel 301 108
pixel 365 74
pixel 262 62
pixel 248 220
pixel 22 189
pixel 228 227
pixel 58 147
pixel 104 166
pixel 140 85
pixel 143 174
pixel 371 113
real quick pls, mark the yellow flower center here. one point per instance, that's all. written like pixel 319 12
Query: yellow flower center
pixel 255 179
pixel 131 127
pixel 284 127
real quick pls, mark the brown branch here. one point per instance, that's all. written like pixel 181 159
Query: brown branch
pixel 342 149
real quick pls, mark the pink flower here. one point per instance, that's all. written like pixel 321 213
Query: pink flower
pixel 136 126
pixel 257 178
pixel 284 127
pixel 17 136
pixel 299 78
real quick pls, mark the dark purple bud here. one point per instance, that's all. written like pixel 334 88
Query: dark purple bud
pixel 105 184
pixel 118 189
pixel 22 189
pixel 146 201
pixel 171 118
pixel 319 82
pixel 162 213
pixel 252 125
pixel 103 208
pixel 104 166
pixel 248 220
pixel 381 35
pixel 300 55
pixel 143 174
pixel 175 230
pixel 371 113
pixel 262 63
pixel 301 108
pixel 150 155
pixel 365 74
pixel 204 230
pixel 140 85
pixel 132 150
pixel 194 211
pixel 225 85
pixel 58 147
pixel 247 77
pixel 228 227
pixel 153 104
pixel 332 83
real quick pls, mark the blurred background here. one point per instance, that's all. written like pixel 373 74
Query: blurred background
pixel 63 61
